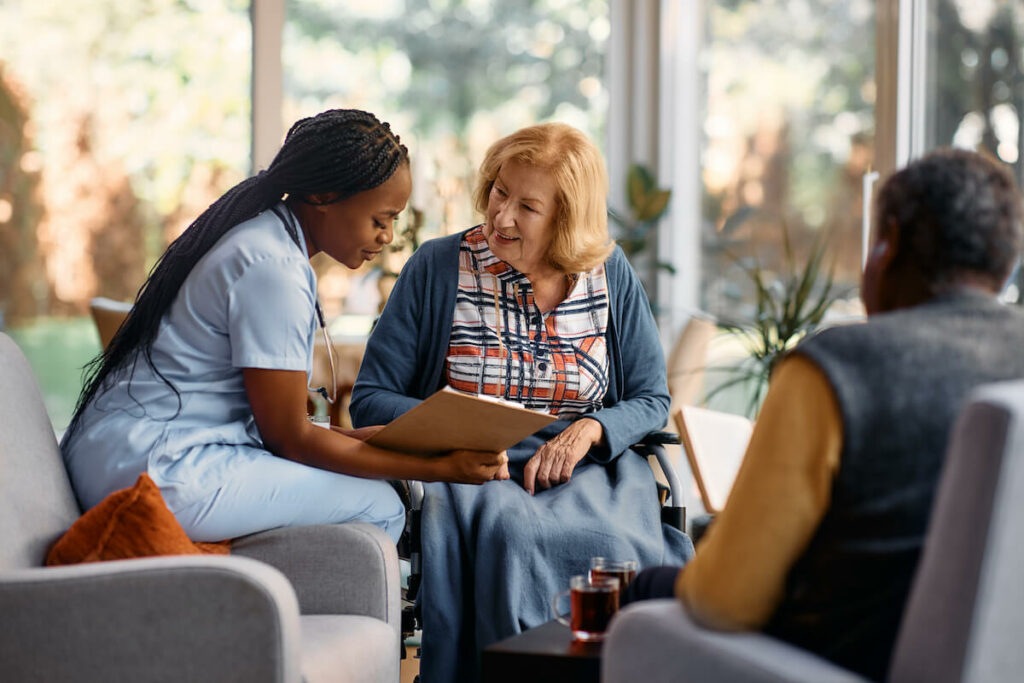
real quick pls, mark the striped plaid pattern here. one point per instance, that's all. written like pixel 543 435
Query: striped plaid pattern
pixel 503 346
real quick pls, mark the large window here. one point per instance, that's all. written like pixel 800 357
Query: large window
pixel 787 135
pixel 120 120
pixel 451 77
pixel 974 78
pixel 974 85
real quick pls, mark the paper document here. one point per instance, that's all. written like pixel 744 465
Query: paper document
pixel 450 420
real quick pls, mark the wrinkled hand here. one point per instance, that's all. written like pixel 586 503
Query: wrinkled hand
pixel 554 462
pixel 363 433
pixel 473 467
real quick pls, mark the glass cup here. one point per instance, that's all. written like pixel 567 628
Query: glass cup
pixel 623 570
pixel 592 603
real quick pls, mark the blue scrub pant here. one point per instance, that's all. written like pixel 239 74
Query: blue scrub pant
pixel 265 491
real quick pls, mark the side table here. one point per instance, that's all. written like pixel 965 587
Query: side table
pixel 545 654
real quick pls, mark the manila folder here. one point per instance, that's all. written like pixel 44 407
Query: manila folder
pixel 450 420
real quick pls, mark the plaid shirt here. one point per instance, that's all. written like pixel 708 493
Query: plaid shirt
pixel 502 345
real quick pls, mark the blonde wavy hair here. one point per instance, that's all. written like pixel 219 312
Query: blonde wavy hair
pixel 581 240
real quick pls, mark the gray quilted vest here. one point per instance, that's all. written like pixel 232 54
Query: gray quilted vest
pixel 900 380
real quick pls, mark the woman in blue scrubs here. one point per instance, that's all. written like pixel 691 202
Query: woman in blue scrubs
pixel 204 387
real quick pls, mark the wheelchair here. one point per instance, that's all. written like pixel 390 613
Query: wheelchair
pixel 673 513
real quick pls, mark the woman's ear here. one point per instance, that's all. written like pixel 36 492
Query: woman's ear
pixel 320 200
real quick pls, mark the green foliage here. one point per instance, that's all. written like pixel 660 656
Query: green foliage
pixel 789 306
pixel 20 207
pixel 57 349
pixel 464 56
pixel 647 204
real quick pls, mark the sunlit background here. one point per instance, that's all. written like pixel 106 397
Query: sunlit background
pixel 121 120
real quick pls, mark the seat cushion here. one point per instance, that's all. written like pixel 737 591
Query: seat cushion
pixel 132 522
pixel 346 649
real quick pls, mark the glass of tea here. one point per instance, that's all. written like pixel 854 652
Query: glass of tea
pixel 592 604
pixel 623 570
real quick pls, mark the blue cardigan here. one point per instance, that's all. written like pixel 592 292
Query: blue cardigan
pixel 405 356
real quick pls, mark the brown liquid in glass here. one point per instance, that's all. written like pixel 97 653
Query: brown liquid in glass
pixel 592 609
pixel 625 576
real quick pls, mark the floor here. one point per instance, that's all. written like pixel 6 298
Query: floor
pixel 410 665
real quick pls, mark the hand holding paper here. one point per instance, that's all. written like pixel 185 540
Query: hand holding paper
pixel 450 420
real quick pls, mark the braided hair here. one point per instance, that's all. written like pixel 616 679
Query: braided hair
pixel 340 152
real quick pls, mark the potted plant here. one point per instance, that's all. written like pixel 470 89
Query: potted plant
pixel 788 306
pixel 647 203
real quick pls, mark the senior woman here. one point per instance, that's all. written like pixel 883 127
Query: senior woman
pixel 534 306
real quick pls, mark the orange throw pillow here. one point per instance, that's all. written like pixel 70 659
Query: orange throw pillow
pixel 134 522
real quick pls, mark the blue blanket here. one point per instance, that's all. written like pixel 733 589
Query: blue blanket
pixel 494 555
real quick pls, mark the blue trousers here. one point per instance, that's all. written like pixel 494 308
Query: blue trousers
pixel 265 491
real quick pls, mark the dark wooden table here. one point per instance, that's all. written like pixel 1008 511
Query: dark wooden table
pixel 545 654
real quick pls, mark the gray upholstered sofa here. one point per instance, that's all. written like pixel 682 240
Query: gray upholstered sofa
pixel 309 603
pixel 965 616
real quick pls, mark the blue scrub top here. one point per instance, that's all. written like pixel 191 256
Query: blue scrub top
pixel 249 302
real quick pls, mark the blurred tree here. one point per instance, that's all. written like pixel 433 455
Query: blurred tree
pixel 91 235
pixel 20 205
pixel 139 107
pixel 451 76
pixel 784 140
pixel 468 56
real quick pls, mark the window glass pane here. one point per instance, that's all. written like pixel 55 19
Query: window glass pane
pixel 451 77
pixel 974 87
pixel 788 134
pixel 120 120
pixel 974 90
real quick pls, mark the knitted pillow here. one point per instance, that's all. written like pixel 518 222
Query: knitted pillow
pixel 133 522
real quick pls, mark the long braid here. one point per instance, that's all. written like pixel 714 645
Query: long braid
pixel 341 152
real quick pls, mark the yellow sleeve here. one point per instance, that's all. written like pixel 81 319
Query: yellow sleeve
pixel 782 490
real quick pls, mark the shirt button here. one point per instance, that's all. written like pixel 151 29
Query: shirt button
pixel 543 367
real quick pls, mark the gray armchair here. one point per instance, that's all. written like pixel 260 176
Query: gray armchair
pixel 966 608
pixel 317 603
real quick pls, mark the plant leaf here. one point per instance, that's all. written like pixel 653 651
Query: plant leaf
pixel 666 266
pixel 736 219
pixel 636 188
pixel 654 205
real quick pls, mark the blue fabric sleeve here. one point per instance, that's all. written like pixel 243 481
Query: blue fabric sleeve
pixel 643 396
pixel 271 315
pixel 394 357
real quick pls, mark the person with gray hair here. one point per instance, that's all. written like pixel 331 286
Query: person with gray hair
pixel 824 527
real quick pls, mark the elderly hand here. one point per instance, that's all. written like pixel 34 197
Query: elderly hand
pixel 554 462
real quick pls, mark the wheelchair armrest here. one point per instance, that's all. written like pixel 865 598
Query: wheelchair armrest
pixel 659 439
pixel 654 444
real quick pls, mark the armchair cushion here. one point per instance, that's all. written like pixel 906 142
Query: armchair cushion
pixel 657 641
pixel 132 522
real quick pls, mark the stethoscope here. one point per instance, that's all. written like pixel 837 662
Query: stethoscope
pixel 329 395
